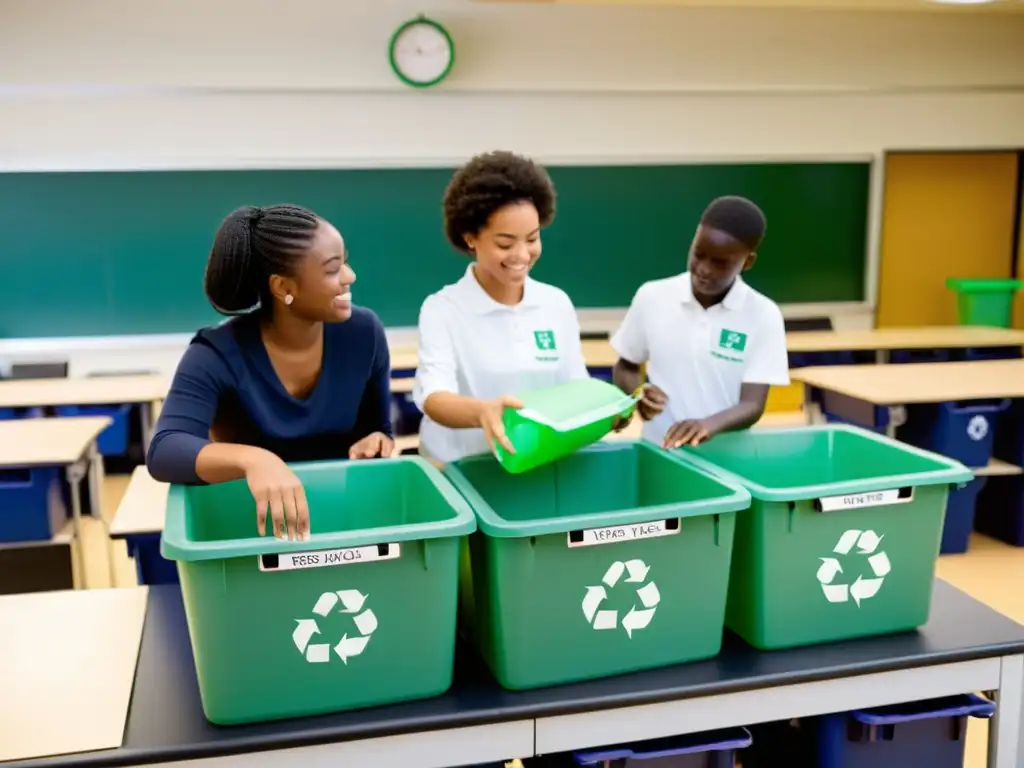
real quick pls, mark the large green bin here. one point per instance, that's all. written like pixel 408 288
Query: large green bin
pixel 610 560
pixel 985 301
pixel 842 536
pixel 362 614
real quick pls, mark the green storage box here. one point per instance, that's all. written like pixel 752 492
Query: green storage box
pixel 555 421
pixel 362 614
pixel 984 301
pixel 842 536
pixel 610 560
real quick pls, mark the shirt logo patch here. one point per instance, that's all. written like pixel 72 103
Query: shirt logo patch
pixel 732 340
pixel 547 350
pixel 731 346
pixel 545 340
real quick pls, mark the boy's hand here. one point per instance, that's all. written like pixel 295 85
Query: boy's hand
pixel 688 432
pixel 652 403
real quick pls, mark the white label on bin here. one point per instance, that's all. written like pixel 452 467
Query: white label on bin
pixel 329 557
pixel 592 537
pixel 869 499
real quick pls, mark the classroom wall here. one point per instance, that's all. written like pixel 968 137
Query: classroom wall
pixel 944 215
pixel 191 83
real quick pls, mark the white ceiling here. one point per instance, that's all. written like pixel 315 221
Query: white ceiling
pixel 950 6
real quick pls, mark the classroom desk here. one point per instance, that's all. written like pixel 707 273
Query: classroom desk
pixel 67 663
pixel 965 647
pixel 68 442
pixel 142 389
pixel 599 353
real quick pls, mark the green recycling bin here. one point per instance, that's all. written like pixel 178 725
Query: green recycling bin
pixel 842 536
pixel 362 614
pixel 985 301
pixel 610 560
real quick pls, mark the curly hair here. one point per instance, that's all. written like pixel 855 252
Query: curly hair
pixel 737 217
pixel 489 182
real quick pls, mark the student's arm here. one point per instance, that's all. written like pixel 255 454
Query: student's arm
pixel 181 450
pixel 436 389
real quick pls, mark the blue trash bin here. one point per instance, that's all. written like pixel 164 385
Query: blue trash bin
pixel 923 734
pixel 960 513
pixel 902 356
pixel 32 503
pixel 1000 510
pixel 151 567
pixel 8 414
pixel 992 353
pixel 964 431
pixel 713 749
pixel 929 734
pixel 112 441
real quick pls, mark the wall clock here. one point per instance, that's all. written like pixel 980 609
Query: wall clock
pixel 421 52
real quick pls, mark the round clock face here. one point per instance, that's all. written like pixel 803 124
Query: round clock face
pixel 421 53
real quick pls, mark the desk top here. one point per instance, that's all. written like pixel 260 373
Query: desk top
pixel 91 390
pixel 599 353
pixel 54 442
pixel 166 720
pixel 919 382
pixel 934 337
pixel 67 662
pixel 142 507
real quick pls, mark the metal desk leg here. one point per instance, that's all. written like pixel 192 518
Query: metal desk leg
pixel 1005 745
pixel 75 473
pixel 897 418
pixel 96 476
pixel 146 424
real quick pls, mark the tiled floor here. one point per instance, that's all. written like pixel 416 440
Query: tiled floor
pixel 990 571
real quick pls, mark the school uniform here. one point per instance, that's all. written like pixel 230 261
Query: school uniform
pixel 474 346
pixel 701 357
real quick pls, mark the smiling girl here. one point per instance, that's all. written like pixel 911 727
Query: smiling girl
pixel 496 331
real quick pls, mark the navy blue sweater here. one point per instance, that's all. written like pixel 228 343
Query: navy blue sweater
pixel 225 381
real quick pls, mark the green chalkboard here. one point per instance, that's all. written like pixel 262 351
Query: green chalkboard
pixel 124 252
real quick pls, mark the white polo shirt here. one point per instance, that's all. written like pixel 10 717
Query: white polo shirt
pixel 472 345
pixel 701 357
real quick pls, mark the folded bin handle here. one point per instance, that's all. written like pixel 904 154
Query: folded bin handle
pixel 974 407
pixel 966 705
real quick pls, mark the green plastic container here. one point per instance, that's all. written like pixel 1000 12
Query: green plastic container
pixel 985 301
pixel 555 421
pixel 610 560
pixel 843 533
pixel 362 614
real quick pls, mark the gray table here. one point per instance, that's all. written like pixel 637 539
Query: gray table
pixel 966 647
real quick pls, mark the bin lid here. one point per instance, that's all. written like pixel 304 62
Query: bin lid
pixel 984 284
pixel 574 404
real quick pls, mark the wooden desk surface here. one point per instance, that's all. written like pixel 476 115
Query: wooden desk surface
pixel 937 337
pixel 599 353
pixel 919 382
pixel 93 390
pixel 49 442
pixel 67 665
pixel 142 507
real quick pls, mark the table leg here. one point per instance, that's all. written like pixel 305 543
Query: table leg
pixel 1005 746
pixel 75 473
pixel 96 476
pixel 881 356
pixel 146 423
pixel 897 418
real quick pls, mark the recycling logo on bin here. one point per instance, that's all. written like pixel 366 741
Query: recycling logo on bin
pixel 977 428
pixel 839 585
pixel 640 615
pixel 352 602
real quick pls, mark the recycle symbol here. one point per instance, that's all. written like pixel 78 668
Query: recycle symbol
pixel 977 427
pixel 352 601
pixel 862 588
pixel 636 618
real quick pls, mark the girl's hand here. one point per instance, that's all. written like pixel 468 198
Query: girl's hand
pixel 372 446
pixel 277 489
pixel 491 421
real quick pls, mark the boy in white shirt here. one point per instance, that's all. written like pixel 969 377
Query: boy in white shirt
pixel 712 344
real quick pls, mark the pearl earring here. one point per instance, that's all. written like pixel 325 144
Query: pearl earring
pixel 288 299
